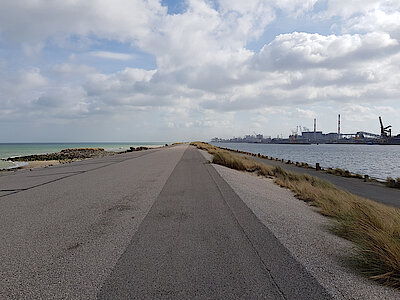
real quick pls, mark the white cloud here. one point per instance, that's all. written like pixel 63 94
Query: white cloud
pixel 72 69
pixel 300 50
pixel 206 75
pixel 32 79
pixel 19 89
pixel 357 112
pixel 112 55
pixel 118 20
pixel 306 113
pixel 259 122
pixel 124 81
pixel 347 9
pixel 377 20
pixel 366 15
pixel 296 7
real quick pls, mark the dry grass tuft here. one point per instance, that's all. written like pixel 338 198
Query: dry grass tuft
pixel 229 160
pixel 204 146
pixel 373 227
pixel 343 173
pixel 393 183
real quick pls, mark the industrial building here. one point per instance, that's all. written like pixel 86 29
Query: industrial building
pixel 318 137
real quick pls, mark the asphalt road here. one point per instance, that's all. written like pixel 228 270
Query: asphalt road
pixel 153 224
pixel 64 228
pixel 371 190
pixel 200 241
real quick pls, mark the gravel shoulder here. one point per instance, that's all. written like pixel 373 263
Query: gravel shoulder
pixel 305 233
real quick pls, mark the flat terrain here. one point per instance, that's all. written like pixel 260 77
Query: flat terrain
pixel 64 228
pixel 160 223
pixel 199 241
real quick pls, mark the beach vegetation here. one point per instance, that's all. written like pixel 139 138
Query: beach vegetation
pixel 343 173
pixel 393 183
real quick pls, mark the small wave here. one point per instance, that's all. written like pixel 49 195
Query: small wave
pixel 8 165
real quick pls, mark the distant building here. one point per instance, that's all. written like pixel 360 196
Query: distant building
pixel 258 138
pixel 331 137
pixel 312 136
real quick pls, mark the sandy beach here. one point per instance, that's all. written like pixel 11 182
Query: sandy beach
pixel 40 164
pixel 34 165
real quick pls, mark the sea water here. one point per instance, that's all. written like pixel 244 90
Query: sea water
pixel 378 161
pixel 21 149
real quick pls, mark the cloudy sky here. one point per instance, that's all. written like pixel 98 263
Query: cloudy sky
pixel 152 70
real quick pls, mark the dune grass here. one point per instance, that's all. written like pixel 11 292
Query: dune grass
pixel 393 183
pixel 373 227
pixel 343 173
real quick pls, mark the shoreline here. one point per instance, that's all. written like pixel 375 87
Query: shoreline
pixel 16 150
pixel 40 164
pixel 44 160
pixel 34 164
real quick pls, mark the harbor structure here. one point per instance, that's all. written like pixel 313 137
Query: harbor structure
pixel 318 137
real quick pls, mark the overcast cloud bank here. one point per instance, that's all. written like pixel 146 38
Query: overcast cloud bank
pixel 132 70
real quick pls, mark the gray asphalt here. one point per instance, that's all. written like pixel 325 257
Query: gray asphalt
pixel 12 182
pixel 371 190
pixel 64 228
pixel 200 241
pixel 153 224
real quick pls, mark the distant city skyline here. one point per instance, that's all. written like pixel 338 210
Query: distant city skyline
pixel 181 70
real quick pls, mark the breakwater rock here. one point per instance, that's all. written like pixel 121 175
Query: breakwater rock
pixel 141 148
pixel 66 154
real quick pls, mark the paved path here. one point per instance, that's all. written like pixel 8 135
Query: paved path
pixel 200 241
pixel 64 228
pixel 153 224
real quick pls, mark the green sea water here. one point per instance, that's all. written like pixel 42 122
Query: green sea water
pixel 21 149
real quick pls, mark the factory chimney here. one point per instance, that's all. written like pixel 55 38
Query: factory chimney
pixel 338 126
pixel 315 129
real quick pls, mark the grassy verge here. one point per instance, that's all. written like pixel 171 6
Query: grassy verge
pixel 393 183
pixel 373 227
pixel 343 173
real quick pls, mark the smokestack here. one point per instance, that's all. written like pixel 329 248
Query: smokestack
pixel 338 126
pixel 315 129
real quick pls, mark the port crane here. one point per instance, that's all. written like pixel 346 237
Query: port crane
pixel 386 132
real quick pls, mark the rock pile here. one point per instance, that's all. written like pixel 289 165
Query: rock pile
pixel 66 154
pixel 131 149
